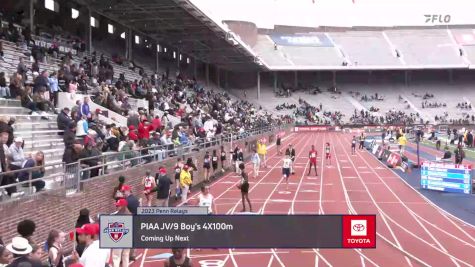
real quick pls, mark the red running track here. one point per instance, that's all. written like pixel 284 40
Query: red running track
pixel 411 231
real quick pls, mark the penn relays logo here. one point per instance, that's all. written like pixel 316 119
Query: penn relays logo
pixel 116 231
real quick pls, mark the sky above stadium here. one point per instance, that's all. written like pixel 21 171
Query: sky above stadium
pixel 313 13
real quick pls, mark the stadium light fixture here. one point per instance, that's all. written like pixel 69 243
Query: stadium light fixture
pixel 158 48
pixel 181 56
pixel 137 39
pixel 51 5
pixel 187 60
pixel 165 49
pixel 94 22
pixel 74 13
pixel 174 54
pixel 122 35
pixel 110 28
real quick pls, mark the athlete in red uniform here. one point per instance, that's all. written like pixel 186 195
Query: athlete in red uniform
pixel 312 156
pixel 328 156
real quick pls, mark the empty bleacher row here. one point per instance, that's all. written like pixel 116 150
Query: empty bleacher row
pixel 391 49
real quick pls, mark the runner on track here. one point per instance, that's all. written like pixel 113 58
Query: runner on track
pixel 278 143
pixel 290 151
pixel 328 156
pixel 353 145
pixel 286 170
pixel 148 182
pixel 312 156
pixel 244 186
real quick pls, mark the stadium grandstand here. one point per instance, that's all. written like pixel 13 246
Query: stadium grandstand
pixel 113 112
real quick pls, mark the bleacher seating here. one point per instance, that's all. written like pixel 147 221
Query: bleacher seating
pixel 365 48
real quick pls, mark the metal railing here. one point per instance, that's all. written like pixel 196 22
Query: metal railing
pixel 71 175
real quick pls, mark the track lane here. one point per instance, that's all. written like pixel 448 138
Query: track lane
pixel 438 248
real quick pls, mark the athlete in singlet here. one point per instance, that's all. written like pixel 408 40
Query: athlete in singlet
pixel 328 156
pixel 312 156
pixel 148 182
pixel 206 199
pixel 286 169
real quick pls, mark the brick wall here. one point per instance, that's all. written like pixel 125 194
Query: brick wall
pixel 54 210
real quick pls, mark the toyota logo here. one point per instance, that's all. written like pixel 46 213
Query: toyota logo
pixel 358 227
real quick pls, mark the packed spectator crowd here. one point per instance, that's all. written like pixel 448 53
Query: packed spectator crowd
pixel 285 106
pixel 390 117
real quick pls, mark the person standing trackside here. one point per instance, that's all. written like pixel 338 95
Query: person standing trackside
pixel 214 163
pixel 361 141
pixel 262 151
pixel 207 166
pixel 244 187
pixel 290 151
pixel 185 182
pixel 120 255
pixel 178 167
pixel 148 182
pixel 223 158
pixel 256 162
pixel 239 160
pixel 278 143
pixel 312 157
pixel 162 188
pixel 353 145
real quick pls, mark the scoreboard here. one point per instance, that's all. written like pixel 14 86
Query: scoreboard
pixel 447 177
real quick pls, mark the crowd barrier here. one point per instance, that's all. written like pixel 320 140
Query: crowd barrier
pixel 72 175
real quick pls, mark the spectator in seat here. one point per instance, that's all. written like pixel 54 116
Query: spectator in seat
pixel 22 69
pixel 16 83
pixel 26 229
pixel 82 127
pixel 21 253
pixel 133 134
pixel 72 153
pixel 84 108
pixel 1 50
pixel 133 119
pixel 156 123
pixel 54 87
pixel 17 155
pixel 27 100
pixel 38 160
pixel 41 83
pixel 4 89
pixel 90 150
pixel 5 179
pixel 69 134
pixel 64 120
pixel 6 256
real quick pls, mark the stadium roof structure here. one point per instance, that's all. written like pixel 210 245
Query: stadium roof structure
pixel 180 24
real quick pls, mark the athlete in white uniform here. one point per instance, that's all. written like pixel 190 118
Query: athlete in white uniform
pixel 206 200
pixel 286 169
